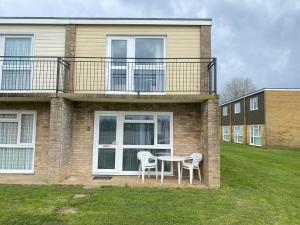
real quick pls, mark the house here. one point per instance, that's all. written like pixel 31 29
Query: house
pixel 81 96
pixel 265 117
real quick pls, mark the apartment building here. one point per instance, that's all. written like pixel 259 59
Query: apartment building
pixel 81 96
pixel 266 117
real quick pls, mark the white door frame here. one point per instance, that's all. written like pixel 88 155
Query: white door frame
pixel 119 141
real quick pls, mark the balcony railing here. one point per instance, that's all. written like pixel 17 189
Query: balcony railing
pixel 32 74
pixel 108 75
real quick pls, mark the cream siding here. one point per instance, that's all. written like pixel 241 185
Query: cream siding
pixel 47 41
pixel 181 42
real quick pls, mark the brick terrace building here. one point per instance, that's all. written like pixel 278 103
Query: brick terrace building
pixel 266 117
pixel 81 96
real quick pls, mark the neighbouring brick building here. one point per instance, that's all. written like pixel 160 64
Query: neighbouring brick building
pixel 266 117
pixel 81 96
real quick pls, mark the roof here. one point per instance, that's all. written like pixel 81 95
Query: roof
pixel 259 91
pixel 106 20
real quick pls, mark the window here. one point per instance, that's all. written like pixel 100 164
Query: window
pixel 226 133
pixel 225 111
pixel 17 130
pixel 145 132
pixel 255 135
pixel 137 64
pixel 238 134
pixel 15 71
pixel 253 103
pixel 237 108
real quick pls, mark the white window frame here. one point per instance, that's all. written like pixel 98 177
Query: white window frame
pixel 237 108
pixel 119 142
pixel 130 67
pixel 254 103
pixel 19 144
pixel 252 136
pixel 226 133
pixel 225 111
pixel 238 133
pixel 2 51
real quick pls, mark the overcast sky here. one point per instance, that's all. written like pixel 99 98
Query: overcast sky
pixel 259 39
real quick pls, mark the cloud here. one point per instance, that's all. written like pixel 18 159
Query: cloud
pixel 251 38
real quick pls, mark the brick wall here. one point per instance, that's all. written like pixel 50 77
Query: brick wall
pixel 282 118
pixel 186 129
pixel 60 139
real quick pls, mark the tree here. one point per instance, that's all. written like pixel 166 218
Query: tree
pixel 236 88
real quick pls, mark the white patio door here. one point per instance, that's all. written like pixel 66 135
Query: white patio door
pixel 107 143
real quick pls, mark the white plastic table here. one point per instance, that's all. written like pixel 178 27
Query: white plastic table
pixel 170 158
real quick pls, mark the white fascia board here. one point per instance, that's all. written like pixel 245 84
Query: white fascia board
pixel 61 21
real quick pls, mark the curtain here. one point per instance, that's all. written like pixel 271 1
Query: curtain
pixel 16 158
pixel 8 132
pixel 16 72
pixel 138 134
pixel 26 128
pixel 163 129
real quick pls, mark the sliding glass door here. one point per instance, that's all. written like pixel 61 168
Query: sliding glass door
pixel 119 136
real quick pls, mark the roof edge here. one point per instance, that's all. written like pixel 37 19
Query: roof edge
pixel 106 20
pixel 259 91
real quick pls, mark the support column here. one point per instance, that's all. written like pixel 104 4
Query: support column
pixel 210 128
pixel 70 45
pixel 60 139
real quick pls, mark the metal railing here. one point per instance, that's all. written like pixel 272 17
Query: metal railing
pixel 107 75
pixel 142 75
pixel 31 74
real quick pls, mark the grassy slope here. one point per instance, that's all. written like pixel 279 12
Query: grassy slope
pixel 259 186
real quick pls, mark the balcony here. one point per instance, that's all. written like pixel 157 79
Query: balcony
pixel 108 76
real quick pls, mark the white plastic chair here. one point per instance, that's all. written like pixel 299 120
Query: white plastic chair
pixel 147 161
pixel 192 164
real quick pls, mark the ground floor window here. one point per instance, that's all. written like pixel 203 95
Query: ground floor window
pixel 226 133
pixel 255 135
pixel 17 138
pixel 119 136
pixel 238 134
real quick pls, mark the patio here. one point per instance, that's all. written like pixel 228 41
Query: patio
pixel 132 181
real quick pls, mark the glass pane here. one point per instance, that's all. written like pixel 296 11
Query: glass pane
pixel 18 79
pixel 107 130
pixel 17 46
pixel 8 132
pixel 16 158
pixel 149 48
pixel 8 116
pixel 131 163
pixel 119 50
pixel 26 128
pixel 106 158
pixel 138 134
pixel 148 80
pixel 163 129
pixel 118 79
pixel 138 117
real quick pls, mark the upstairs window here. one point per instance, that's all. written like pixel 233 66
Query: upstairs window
pixel 237 108
pixel 15 68
pixel 253 103
pixel 137 64
pixel 225 111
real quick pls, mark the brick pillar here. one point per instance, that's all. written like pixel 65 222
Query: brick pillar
pixel 205 52
pixel 70 44
pixel 60 139
pixel 210 129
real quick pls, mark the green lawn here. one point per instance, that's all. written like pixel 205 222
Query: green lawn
pixel 259 186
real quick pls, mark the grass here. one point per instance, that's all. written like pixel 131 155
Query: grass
pixel 259 186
